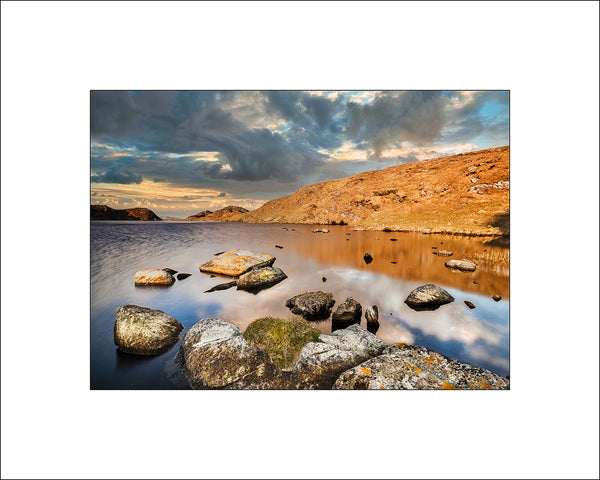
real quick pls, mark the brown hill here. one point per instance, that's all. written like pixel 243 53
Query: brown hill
pixel 224 214
pixel 102 212
pixel 466 194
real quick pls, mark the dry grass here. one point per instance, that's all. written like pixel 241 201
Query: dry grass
pixel 431 194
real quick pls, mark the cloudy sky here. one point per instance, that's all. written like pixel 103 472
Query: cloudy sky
pixel 180 152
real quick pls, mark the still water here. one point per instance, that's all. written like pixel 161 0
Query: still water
pixel 401 262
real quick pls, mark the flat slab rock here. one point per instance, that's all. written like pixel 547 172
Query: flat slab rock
pixel 462 265
pixel 428 297
pixel 311 304
pixel 405 367
pixel 237 262
pixel 443 253
pixel 261 278
pixel 153 276
pixel 143 331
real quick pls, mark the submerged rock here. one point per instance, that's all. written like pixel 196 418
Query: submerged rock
pixel 428 297
pixel 462 265
pixel 278 246
pixel 367 258
pixel 237 262
pixel 143 331
pixel 320 230
pixel 372 317
pixel 469 304
pixel 183 276
pixel 347 313
pixel 412 367
pixel 217 356
pixel 443 253
pixel 319 363
pixel 221 286
pixel 311 305
pixel 259 279
pixel 153 276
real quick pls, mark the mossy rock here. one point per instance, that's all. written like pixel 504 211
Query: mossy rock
pixel 282 339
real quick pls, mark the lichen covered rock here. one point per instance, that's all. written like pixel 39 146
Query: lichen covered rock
pixel 237 262
pixel 143 331
pixel 259 279
pixel 319 364
pixel 407 367
pixel 217 356
pixel 428 297
pixel 153 276
pixel 311 305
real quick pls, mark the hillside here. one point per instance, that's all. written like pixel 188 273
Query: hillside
pixel 102 212
pixel 466 194
pixel 224 214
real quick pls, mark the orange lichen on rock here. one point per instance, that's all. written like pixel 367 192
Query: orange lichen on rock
pixel 433 359
pixel 417 370
pixel 448 386
pixel 400 345
pixel 365 371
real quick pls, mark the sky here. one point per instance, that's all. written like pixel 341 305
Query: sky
pixel 181 152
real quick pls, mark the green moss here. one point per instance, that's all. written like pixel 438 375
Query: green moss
pixel 282 339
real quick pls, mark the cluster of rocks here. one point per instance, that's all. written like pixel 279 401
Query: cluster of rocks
pixel 315 306
pixel 158 276
pixel 215 355
pixel 254 270
pixel 483 188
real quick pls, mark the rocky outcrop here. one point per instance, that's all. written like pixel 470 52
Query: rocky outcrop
pixel 320 363
pixel 237 262
pixel 428 297
pixel 143 331
pixel 217 356
pixel 258 279
pixel 407 367
pixel 311 305
pixel 347 313
pixel 218 215
pixel 462 265
pixel 102 212
pixel 153 276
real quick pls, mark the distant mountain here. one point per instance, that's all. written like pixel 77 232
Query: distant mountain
pixel 465 194
pixel 223 215
pixel 102 212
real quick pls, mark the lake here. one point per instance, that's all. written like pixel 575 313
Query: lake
pixel 401 262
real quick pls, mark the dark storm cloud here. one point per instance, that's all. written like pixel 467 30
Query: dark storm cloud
pixel 271 141
pixel 416 117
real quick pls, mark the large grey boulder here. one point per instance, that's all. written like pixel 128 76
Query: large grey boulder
pixel 408 367
pixel 153 276
pixel 237 262
pixel 143 331
pixel 217 356
pixel 347 313
pixel 428 297
pixel 319 363
pixel 462 265
pixel 311 305
pixel 259 279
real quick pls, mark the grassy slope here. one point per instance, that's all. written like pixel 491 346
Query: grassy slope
pixel 405 197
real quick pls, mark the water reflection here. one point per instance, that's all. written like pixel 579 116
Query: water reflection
pixel 478 336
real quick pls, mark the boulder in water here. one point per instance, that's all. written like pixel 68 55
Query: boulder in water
pixel 143 331
pixel 347 313
pixel 428 297
pixel 311 305
pixel 462 265
pixel 259 279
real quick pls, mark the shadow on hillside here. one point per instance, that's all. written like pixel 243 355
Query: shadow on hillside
pixel 502 221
